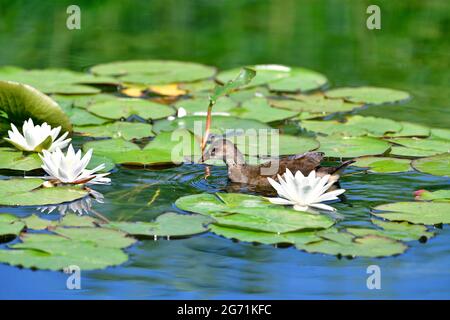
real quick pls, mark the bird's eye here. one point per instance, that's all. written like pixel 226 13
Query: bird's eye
pixel 213 151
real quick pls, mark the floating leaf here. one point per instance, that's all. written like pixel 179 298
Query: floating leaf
pixel 314 103
pixel 21 102
pixel 402 231
pixel 430 144
pixel 243 78
pixel 26 192
pixel 416 212
pixel 16 160
pixel 82 101
pixel 264 237
pixel 252 213
pixel 383 165
pixel 438 165
pixel 171 90
pixel 410 130
pixel 411 152
pixel 260 144
pixel 167 147
pixel 154 71
pixel 374 126
pixel 369 95
pixel 441 133
pixel 80 117
pixel 126 107
pixel 36 223
pixel 198 106
pixel 54 252
pixel 368 246
pixel 102 237
pixel 57 80
pixel 168 224
pixel 351 147
pixel 10 225
pixel 73 220
pixel 438 195
pixel 125 130
pixel 219 125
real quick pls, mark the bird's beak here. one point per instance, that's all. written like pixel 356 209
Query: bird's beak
pixel 206 156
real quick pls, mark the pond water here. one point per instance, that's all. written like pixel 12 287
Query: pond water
pixel 410 52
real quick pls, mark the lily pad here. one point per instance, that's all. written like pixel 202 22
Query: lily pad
pixel 80 117
pixel 374 126
pixel 369 95
pixel 415 212
pixel 438 165
pixel 126 107
pixel 258 144
pixel 219 125
pixel 21 102
pixel 125 130
pixel 10 225
pixel 402 231
pixel 154 71
pixel 259 109
pixel 54 252
pixel 57 80
pixel 333 128
pixel 411 152
pixel 168 224
pixel 199 106
pixel 314 103
pixel 167 147
pixel 27 192
pixel 280 78
pixel 441 133
pixel 102 237
pixel 264 237
pixel 367 246
pixel 12 159
pixel 36 223
pixel 430 144
pixel 351 147
pixel 252 213
pixel 438 195
pixel 383 165
pixel 410 130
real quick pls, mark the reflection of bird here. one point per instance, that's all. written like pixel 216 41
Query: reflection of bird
pixel 239 171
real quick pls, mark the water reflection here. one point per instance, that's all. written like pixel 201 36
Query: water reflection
pixel 80 207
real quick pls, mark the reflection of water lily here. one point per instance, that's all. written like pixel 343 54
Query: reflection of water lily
pixel 82 206
pixel 71 168
pixel 303 192
pixel 37 138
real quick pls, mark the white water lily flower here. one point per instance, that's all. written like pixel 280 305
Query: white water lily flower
pixel 303 192
pixel 37 138
pixel 71 168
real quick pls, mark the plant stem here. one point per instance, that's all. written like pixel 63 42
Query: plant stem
pixel 207 128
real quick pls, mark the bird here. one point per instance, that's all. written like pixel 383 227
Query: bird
pixel 256 175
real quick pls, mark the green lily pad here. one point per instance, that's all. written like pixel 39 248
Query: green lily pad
pixel 315 104
pixel 264 237
pixel 126 107
pixel 54 252
pixel 243 78
pixel 369 95
pixel 259 109
pixel 410 130
pixel 252 213
pixel 82 101
pixel 57 80
pixel 10 225
pixel 200 105
pixel 441 133
pixel 125 130
pixel 21 102
pixel 154 71
pixel 438 195
pixel 333 128
pixel 351 147
pixel 402 231
pixel 241 96
pixel 415 212
pixel 12 159
pixel 73 220
pixel 430 144
pixel 219 125
pixel 411 152
pixel 102 237
pixel 438 165
pixel 261 145
pixel 80 117
pixel 169 224
pixel 36 223
pixel 26 192
pixel 97 160
pixel 383 165
pixel 367 246
pixel 280 78
pixel 167 147
pixel 374 126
